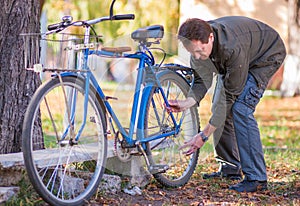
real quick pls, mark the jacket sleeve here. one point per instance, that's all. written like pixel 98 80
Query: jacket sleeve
pixel 203 73
pixel 222 103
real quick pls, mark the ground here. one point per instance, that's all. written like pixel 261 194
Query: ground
pixel 213 192
pixel 279 121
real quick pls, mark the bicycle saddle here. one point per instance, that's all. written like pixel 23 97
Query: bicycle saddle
pixel 155 31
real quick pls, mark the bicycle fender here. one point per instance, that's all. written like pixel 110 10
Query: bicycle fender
pixel 143 111
pixel 185 72
pixel 70 74
pixel 165 72
pixel 162 72
pixel 64 74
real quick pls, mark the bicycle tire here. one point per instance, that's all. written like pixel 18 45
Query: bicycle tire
pixel 64 173
pixel 158 120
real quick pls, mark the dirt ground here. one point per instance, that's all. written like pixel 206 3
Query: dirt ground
pixel 210 192
pixel 282 191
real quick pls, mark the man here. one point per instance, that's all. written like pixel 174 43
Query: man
pixel 245 53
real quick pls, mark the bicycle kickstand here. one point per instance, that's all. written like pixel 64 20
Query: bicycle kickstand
pixel 153 169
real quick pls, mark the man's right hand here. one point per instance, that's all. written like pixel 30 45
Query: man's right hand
pixel 180 105
pixel 195 143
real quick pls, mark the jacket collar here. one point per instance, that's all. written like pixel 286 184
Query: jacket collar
pixel 213 56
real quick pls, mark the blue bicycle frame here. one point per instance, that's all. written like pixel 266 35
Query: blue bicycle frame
pixel 138 108
pixel 141 92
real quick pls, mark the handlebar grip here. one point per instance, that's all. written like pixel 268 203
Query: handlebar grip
pixel 123 17
pixel 54 26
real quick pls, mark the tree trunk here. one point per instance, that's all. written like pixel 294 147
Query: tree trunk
pixel 294 26
pixel 16 84
pixel 291 75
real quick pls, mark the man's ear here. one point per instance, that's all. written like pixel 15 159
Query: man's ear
pixel 211 37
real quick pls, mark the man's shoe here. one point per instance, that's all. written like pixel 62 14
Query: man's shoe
pixel 250 186
pixel 222 175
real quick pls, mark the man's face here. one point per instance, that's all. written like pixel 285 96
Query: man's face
pixel 199 50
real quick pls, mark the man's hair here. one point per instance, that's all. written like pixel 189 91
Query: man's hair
pixel 194 29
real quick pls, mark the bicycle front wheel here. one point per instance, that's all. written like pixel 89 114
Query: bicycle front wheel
pixel 62 169
pixel 166 151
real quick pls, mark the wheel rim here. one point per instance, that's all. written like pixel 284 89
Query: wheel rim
pixel 65 172
pixel 167 151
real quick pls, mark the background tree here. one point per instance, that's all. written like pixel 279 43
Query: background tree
pixel 146 13
pixel 291 76
pixel 16 84
pixel 294 26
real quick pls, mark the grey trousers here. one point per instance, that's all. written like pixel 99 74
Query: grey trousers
pixel 225 144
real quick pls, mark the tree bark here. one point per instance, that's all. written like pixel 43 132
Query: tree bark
pixel 16 84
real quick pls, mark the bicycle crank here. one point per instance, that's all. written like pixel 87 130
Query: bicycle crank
pixel 124 154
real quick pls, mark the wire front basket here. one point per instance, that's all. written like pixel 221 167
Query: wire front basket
pixel 57 52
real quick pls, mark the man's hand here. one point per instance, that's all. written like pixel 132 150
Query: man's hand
pixel 194 144
pixel 180 105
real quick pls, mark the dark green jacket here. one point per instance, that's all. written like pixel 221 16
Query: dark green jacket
pixel 241 46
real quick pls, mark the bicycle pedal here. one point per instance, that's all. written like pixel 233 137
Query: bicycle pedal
pixel 155 169
pixel 135 153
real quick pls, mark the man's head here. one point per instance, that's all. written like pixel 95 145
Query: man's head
pixel 197 37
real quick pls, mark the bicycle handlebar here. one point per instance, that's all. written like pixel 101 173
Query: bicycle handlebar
pixel 123 17
pixel 62 25
pixel 52 27
pixel 67 20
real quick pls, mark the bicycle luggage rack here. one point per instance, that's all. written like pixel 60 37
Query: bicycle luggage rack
pixel 186 72
pixel 59 52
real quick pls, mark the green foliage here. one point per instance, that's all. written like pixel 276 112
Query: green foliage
pixel 148 12
pixel 27 195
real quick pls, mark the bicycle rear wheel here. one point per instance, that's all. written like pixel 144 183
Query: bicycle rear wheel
pixel 64 171
pixel 158 120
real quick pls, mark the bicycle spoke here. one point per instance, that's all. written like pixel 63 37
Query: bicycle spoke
pixel 64 172
pixel 51 118
pixel 166 151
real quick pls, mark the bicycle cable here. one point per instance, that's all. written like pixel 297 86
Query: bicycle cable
pixel 150 55
pixel 164 54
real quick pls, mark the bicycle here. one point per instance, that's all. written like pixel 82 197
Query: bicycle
pixel 66 124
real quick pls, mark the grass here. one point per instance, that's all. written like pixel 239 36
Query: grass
pixel 27 196
pixel 279 122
